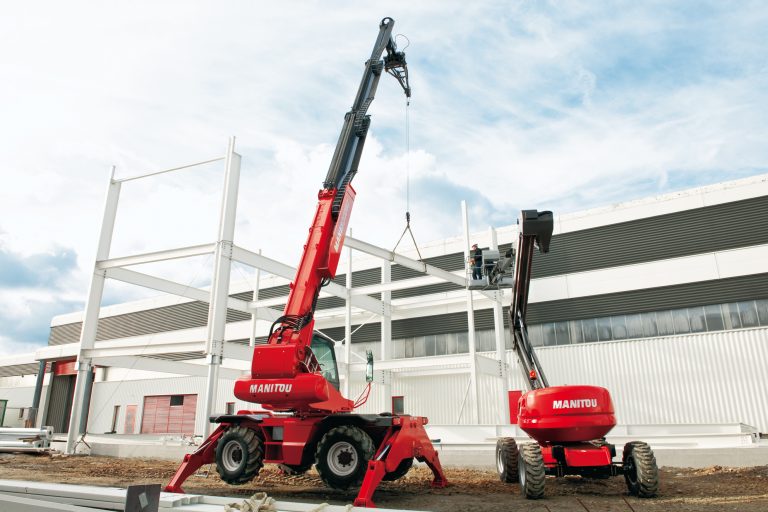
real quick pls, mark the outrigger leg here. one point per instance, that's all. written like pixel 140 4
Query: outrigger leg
pixel 406 439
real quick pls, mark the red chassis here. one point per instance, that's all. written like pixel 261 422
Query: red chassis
pixel 286 438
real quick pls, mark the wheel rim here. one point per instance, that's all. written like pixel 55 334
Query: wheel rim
pixel 342 458
pixel 232 456
pixel 499 461
pixel 631 471
pixel 521 471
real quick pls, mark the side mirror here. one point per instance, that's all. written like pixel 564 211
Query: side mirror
pixel 369 366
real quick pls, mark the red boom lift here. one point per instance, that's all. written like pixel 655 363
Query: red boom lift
pixel 295 376
pixel 568 423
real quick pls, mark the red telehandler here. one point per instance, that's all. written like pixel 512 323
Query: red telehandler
pixel 295 376
pixel 568 423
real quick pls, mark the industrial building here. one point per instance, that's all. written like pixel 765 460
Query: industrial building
pixel 663 300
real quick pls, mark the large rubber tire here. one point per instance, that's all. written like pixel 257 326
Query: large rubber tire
pixel 239 455
pixel 531 471
pixel 400 471
pixel 506 460
pixel 640 470
pixel 342 456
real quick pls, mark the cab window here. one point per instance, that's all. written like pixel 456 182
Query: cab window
pixel 323 350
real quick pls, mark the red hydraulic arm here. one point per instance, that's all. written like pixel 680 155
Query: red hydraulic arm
pixel 285 373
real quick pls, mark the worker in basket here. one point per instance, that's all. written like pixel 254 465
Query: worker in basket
pixel 476 260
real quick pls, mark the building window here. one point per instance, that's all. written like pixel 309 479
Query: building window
pixel 714 318
pixel 748 314
pixel 177 400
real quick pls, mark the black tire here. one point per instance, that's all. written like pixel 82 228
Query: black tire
pixel 506 460
pixel 531 471
pixel 640 470
pixel 342 456
pixel 294 470
pixel 239 455
pixel 400 471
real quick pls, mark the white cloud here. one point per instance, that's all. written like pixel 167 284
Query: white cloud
pixel 516 104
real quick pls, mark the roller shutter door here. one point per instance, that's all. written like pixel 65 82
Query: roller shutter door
pixel 169 414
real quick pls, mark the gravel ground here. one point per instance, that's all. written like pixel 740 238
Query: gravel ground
pixel 682 490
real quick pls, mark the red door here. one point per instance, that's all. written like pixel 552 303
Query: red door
pixel 169 414
pixel 130 419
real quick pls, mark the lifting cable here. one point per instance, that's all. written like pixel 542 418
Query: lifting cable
pixel 408 181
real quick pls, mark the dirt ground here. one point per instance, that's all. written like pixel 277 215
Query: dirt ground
pixel 682 490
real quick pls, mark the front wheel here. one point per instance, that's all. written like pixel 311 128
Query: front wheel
pixel 342 456
pixel 531 471
pixel 239 455
pixel 640 470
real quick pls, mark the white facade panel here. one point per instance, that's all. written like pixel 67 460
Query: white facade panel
pixel 713 377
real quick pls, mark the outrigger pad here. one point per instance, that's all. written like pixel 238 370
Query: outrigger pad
pixel 537 224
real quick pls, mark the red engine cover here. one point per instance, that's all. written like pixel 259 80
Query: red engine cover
pixel 564 414
pixel 283 393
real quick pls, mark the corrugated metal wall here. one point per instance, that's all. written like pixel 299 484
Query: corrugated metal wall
pixel 715 377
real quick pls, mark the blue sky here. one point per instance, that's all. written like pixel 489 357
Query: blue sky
pixel 556 105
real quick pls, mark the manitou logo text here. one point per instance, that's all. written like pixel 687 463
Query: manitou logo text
pixel 574 404
pixel 271 388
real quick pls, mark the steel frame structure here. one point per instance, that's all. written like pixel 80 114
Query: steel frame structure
pixel 133 352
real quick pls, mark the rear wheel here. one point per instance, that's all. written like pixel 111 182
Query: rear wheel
pixel 640 470
pixel 400 471
pixel 342 456
pixel 239 455
pixel 531 471
pixel 506 460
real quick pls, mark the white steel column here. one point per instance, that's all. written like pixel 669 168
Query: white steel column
pixel 348 323
pixel 217 311
pixel 386 333
pixel 254 316
pixel 471 322
pixel 501 350
pixel 92 307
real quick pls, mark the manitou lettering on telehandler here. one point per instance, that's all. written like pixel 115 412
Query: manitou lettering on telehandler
pixel 295 376
pixel 568 423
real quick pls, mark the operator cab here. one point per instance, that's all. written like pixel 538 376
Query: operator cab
pixel 497 271
pixel 322 347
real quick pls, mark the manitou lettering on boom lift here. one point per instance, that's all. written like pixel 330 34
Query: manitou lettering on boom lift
pixel 295 372
pixel 574 404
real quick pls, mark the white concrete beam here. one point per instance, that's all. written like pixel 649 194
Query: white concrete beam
pixel 282 270
pixel 164 366
pixel 152 257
